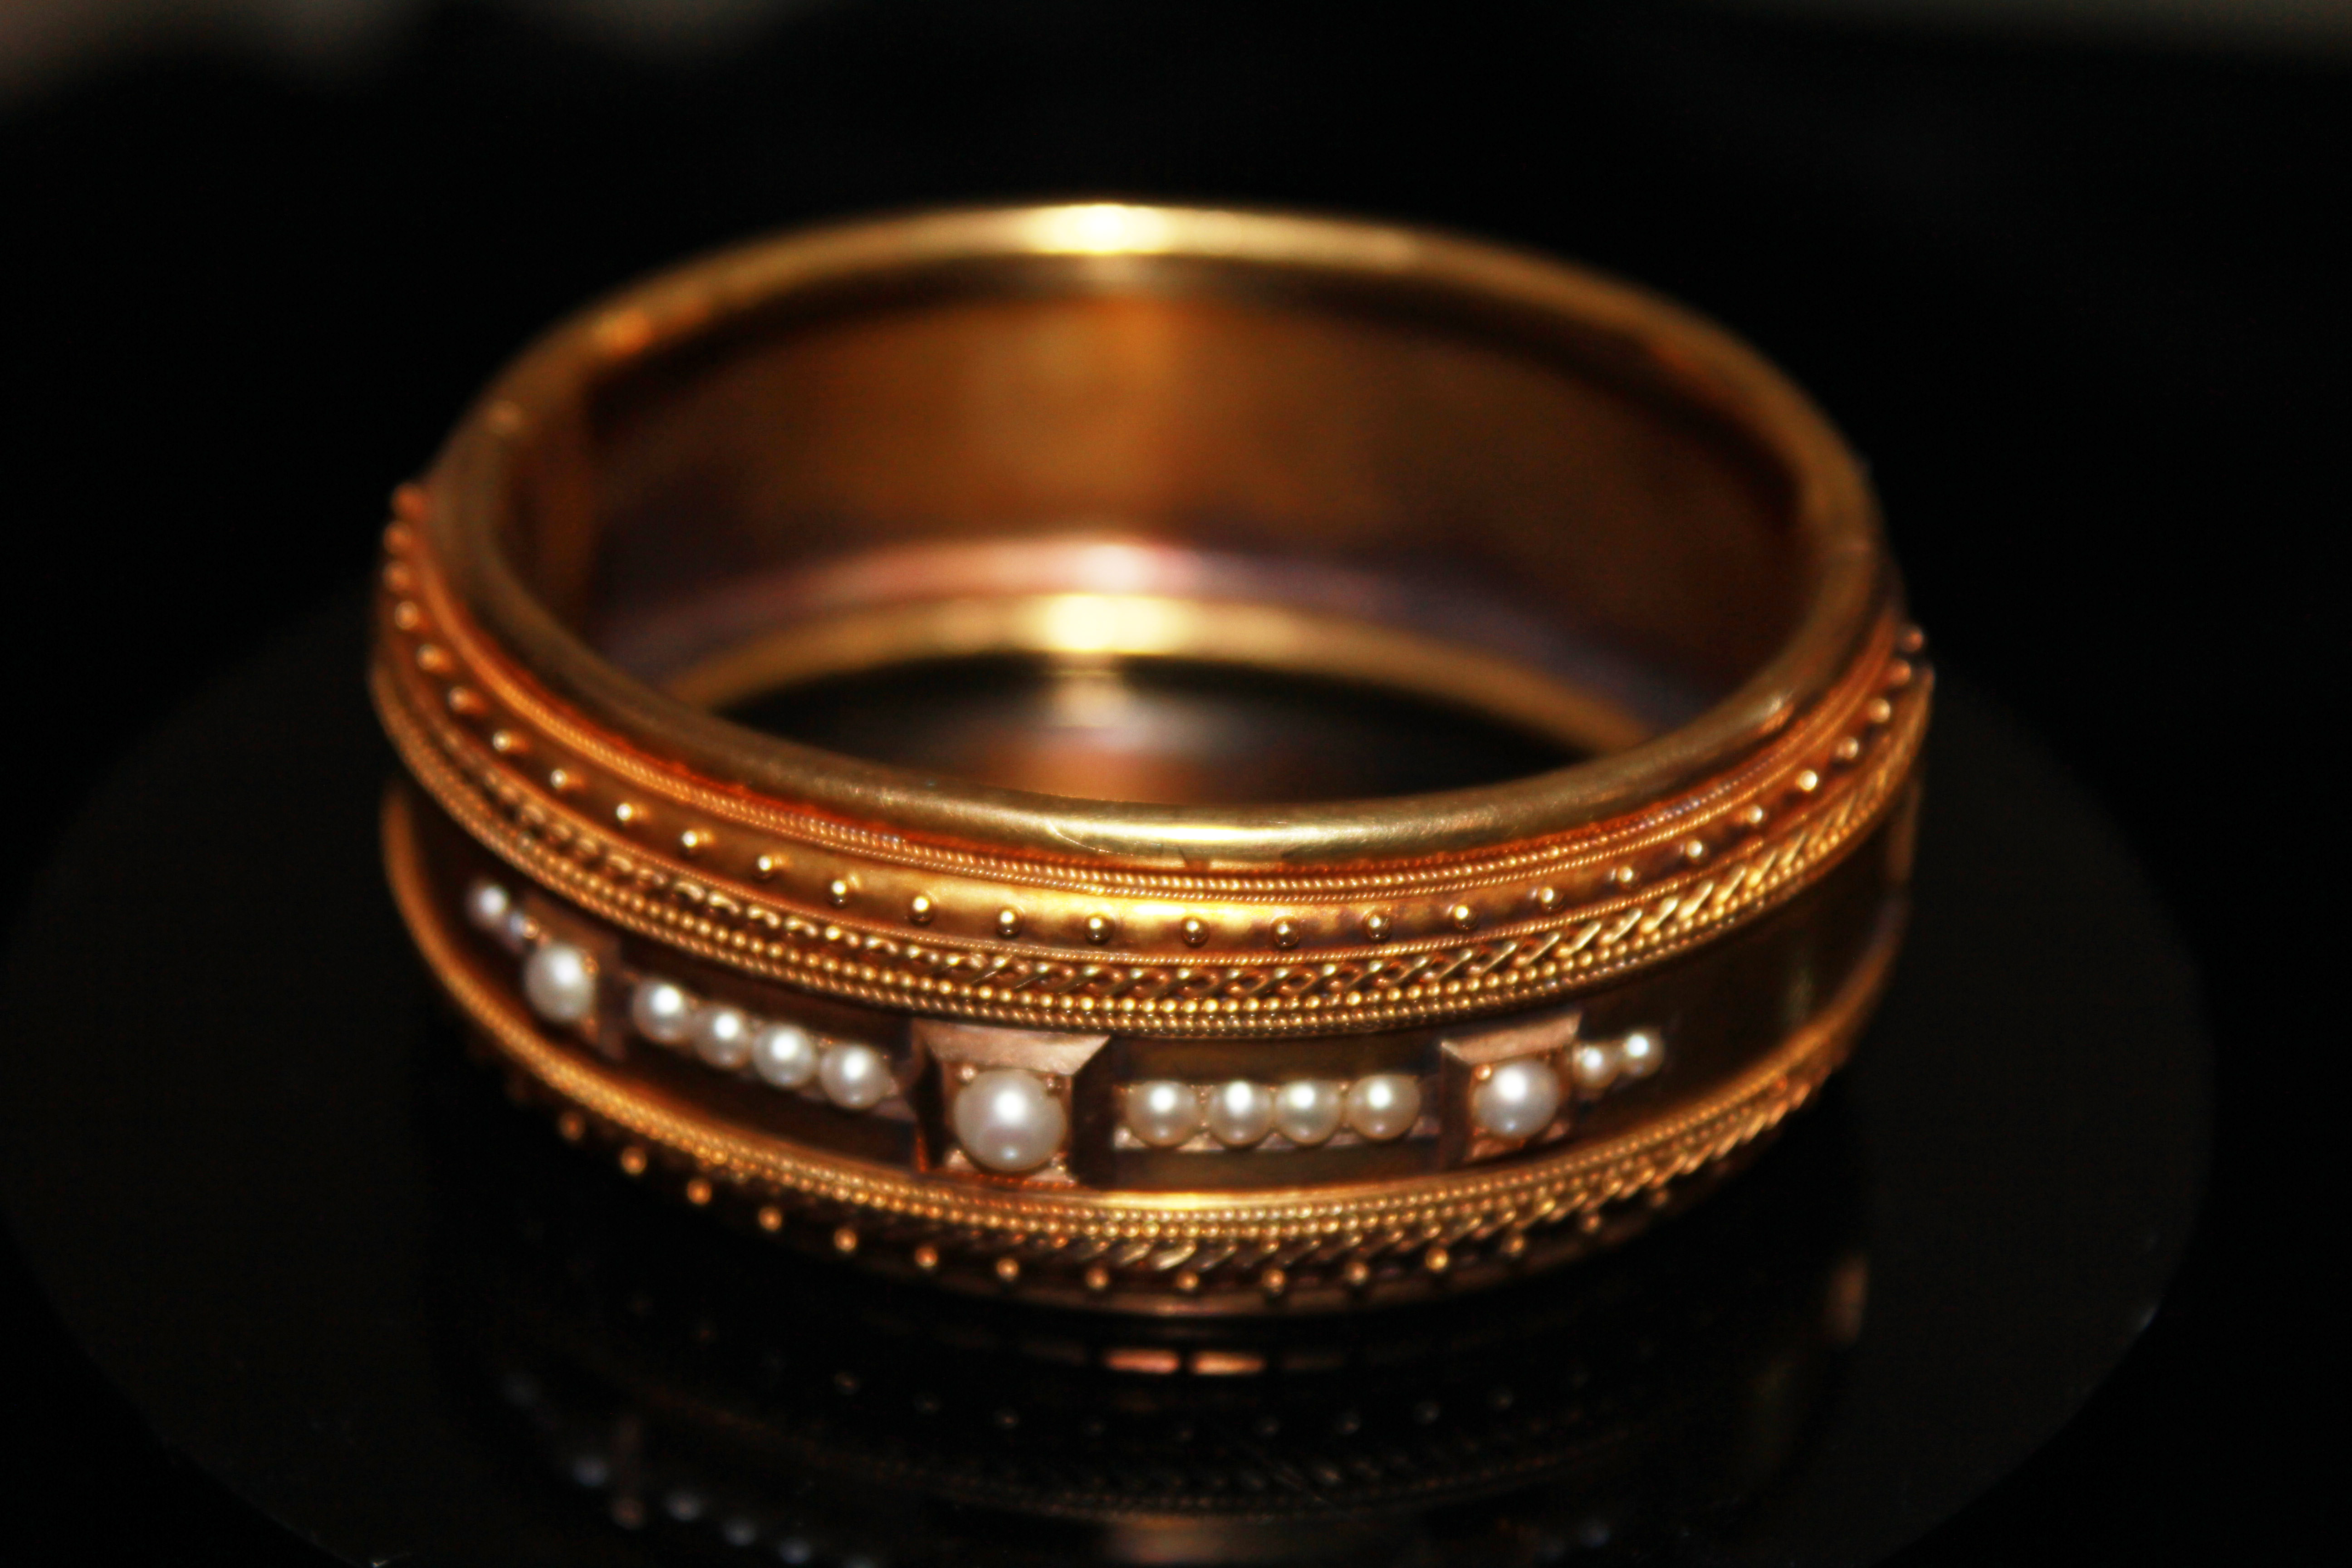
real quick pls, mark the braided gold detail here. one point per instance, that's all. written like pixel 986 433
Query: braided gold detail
pixel 1159 1233
pixel 1389 985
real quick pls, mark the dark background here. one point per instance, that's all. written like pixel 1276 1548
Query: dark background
pixel 2078 301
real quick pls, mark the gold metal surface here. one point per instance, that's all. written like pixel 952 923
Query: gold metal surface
pixel 1107 440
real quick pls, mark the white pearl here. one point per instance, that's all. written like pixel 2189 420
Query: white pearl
pixel 1240 1112
pixel 722 1037
pixel 1162 1114
pixel 1384 1105
pixel 560 983
pixel 663 1011
pixel 785 1055
pixel 1641 1052
pixel 1308 1111
pixel 1006 1121
pixel 1594 1065
pixel 1518 1098
pixel 487 904
pixel 516 931
pixel 855 1077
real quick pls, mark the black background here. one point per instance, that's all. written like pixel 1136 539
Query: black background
pixel 2080 306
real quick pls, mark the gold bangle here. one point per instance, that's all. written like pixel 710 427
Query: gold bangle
pixel 1218 1055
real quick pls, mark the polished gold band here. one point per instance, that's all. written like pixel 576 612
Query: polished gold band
pixel 1239 1053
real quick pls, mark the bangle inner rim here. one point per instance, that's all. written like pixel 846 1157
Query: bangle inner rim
pixel 1595 536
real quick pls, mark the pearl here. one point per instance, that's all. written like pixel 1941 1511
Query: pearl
pixel 663 1011
pixel 722 1037
pixel 1308 1111
pixel 516 931
pixel 560 983
pixel 487 904
pixel 1240 1112
pixel 1007 1120
pixel 1594 1065
pixel 1641 1052
pixel 1162 1114
pixel 855 1077
pixel 785 1055
pixel 1385 1105
pixel 1518 1098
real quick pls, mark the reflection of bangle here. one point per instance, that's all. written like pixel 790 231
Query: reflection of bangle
pixel 945 1011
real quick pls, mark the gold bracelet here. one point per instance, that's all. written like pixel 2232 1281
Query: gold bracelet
pixel 1384 762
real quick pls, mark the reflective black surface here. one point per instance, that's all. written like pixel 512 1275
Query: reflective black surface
pixel 326 1261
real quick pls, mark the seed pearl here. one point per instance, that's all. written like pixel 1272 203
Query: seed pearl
pixel 487 904
pixel 722 1037
pixel 1518 1098
pixel 560 983
pixel 1162 1114
pixel 1308 1111
pixel 855 1077
pixel 1641 1052
pixel 1006 1121
pixel 663 1011
pixel 785 1055
pixel 1385 1105
pixel 1593 1065
pixel 1240 1112
pixel 515 932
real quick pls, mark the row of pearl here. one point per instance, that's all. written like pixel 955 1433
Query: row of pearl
pixel 560 982
pixel 1011 1121
pixel 1163 1113
pixel 1518 1098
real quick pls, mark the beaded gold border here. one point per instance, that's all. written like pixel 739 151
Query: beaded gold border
pixel 1070 1230
pixel 1708 862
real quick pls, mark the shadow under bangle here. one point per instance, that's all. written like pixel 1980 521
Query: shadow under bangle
pixel 1235 995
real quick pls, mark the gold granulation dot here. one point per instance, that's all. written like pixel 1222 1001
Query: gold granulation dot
pixel 1437 1260
pixel 1008 923
pixel 1187 1280
pixel 698 1192
pixel 571 1126
pixel 921 910
pixel 1274 1282
pixel 632 1161
pixel 927 1258
pixel 1098 1278
pixel 771 1217
pixel 844 1240
pixel 1195 930
pixel 1008 1268
pixel 1358 1274
pixel 1515 1245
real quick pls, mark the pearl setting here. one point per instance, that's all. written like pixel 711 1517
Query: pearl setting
pixel 1007 1120
pixel 1013 1121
